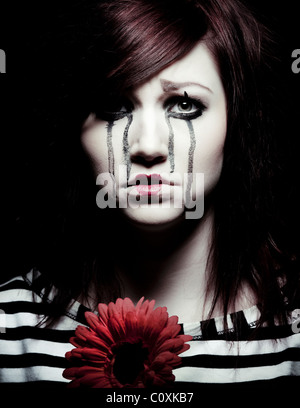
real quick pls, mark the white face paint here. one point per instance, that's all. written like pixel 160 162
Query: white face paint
pixel 170 126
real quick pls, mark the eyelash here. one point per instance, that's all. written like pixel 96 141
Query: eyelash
pixel 177 100
pixel 114 114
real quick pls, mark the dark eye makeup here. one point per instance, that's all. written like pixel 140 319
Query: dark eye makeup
pixel 113 109
pixel 176 106
pixel 184 107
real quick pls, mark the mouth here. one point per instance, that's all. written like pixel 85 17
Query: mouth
pixel 152 185
pixel 148 185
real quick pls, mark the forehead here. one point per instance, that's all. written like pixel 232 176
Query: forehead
pixel 197 68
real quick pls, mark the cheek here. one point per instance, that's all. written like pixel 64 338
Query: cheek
pixel 94 144
pixel 103 144
pixel 183 145
pixel 199 145
pixel 208 158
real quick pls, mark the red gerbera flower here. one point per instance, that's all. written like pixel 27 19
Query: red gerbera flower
pixel 126 346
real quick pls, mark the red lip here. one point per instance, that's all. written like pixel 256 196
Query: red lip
pixel 149 184
pixel 148 179
pixel 153 189
pixel 151 179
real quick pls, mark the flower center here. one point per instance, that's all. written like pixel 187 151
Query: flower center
pixel 129 361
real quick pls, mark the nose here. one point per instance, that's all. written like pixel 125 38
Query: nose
pixel 149 141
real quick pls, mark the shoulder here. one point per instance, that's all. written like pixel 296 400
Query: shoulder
pixel 30 351
pixel 20 305
pixel 26 300
pixel 17 289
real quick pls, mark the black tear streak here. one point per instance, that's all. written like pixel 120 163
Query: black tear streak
pixel 110 149
pixel 126 151
pixel 190 160
pixel 170 144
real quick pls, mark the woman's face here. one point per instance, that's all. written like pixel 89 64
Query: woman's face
pixel 158 150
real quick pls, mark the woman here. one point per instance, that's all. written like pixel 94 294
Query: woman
pixel 169 103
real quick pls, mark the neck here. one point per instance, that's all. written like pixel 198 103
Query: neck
pixel 167 264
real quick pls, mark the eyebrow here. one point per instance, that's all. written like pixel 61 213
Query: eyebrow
pixel 168 86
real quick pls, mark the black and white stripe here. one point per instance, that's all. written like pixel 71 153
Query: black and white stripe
pixel 31 353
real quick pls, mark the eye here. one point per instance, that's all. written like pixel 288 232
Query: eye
pixel 113 109
pixel 184 107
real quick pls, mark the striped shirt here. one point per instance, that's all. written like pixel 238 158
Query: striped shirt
pixel 34 354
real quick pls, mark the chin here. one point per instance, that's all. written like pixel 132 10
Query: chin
pixel 151 216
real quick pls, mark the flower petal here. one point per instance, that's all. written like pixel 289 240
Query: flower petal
pixel 90 354
pixel 92 319
pixel 112 310
pixel 155 324
pixel 168 332
pixel 173 345
pixel 185 347
pixel 131 325
pixel 103 313
pixel 173 320
pixel 165 358
pixel 104 333
pixel 139 304
pixel 93 340
pixel 116 325
pixel 147 307
pixel 77 372
pixel 128 307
